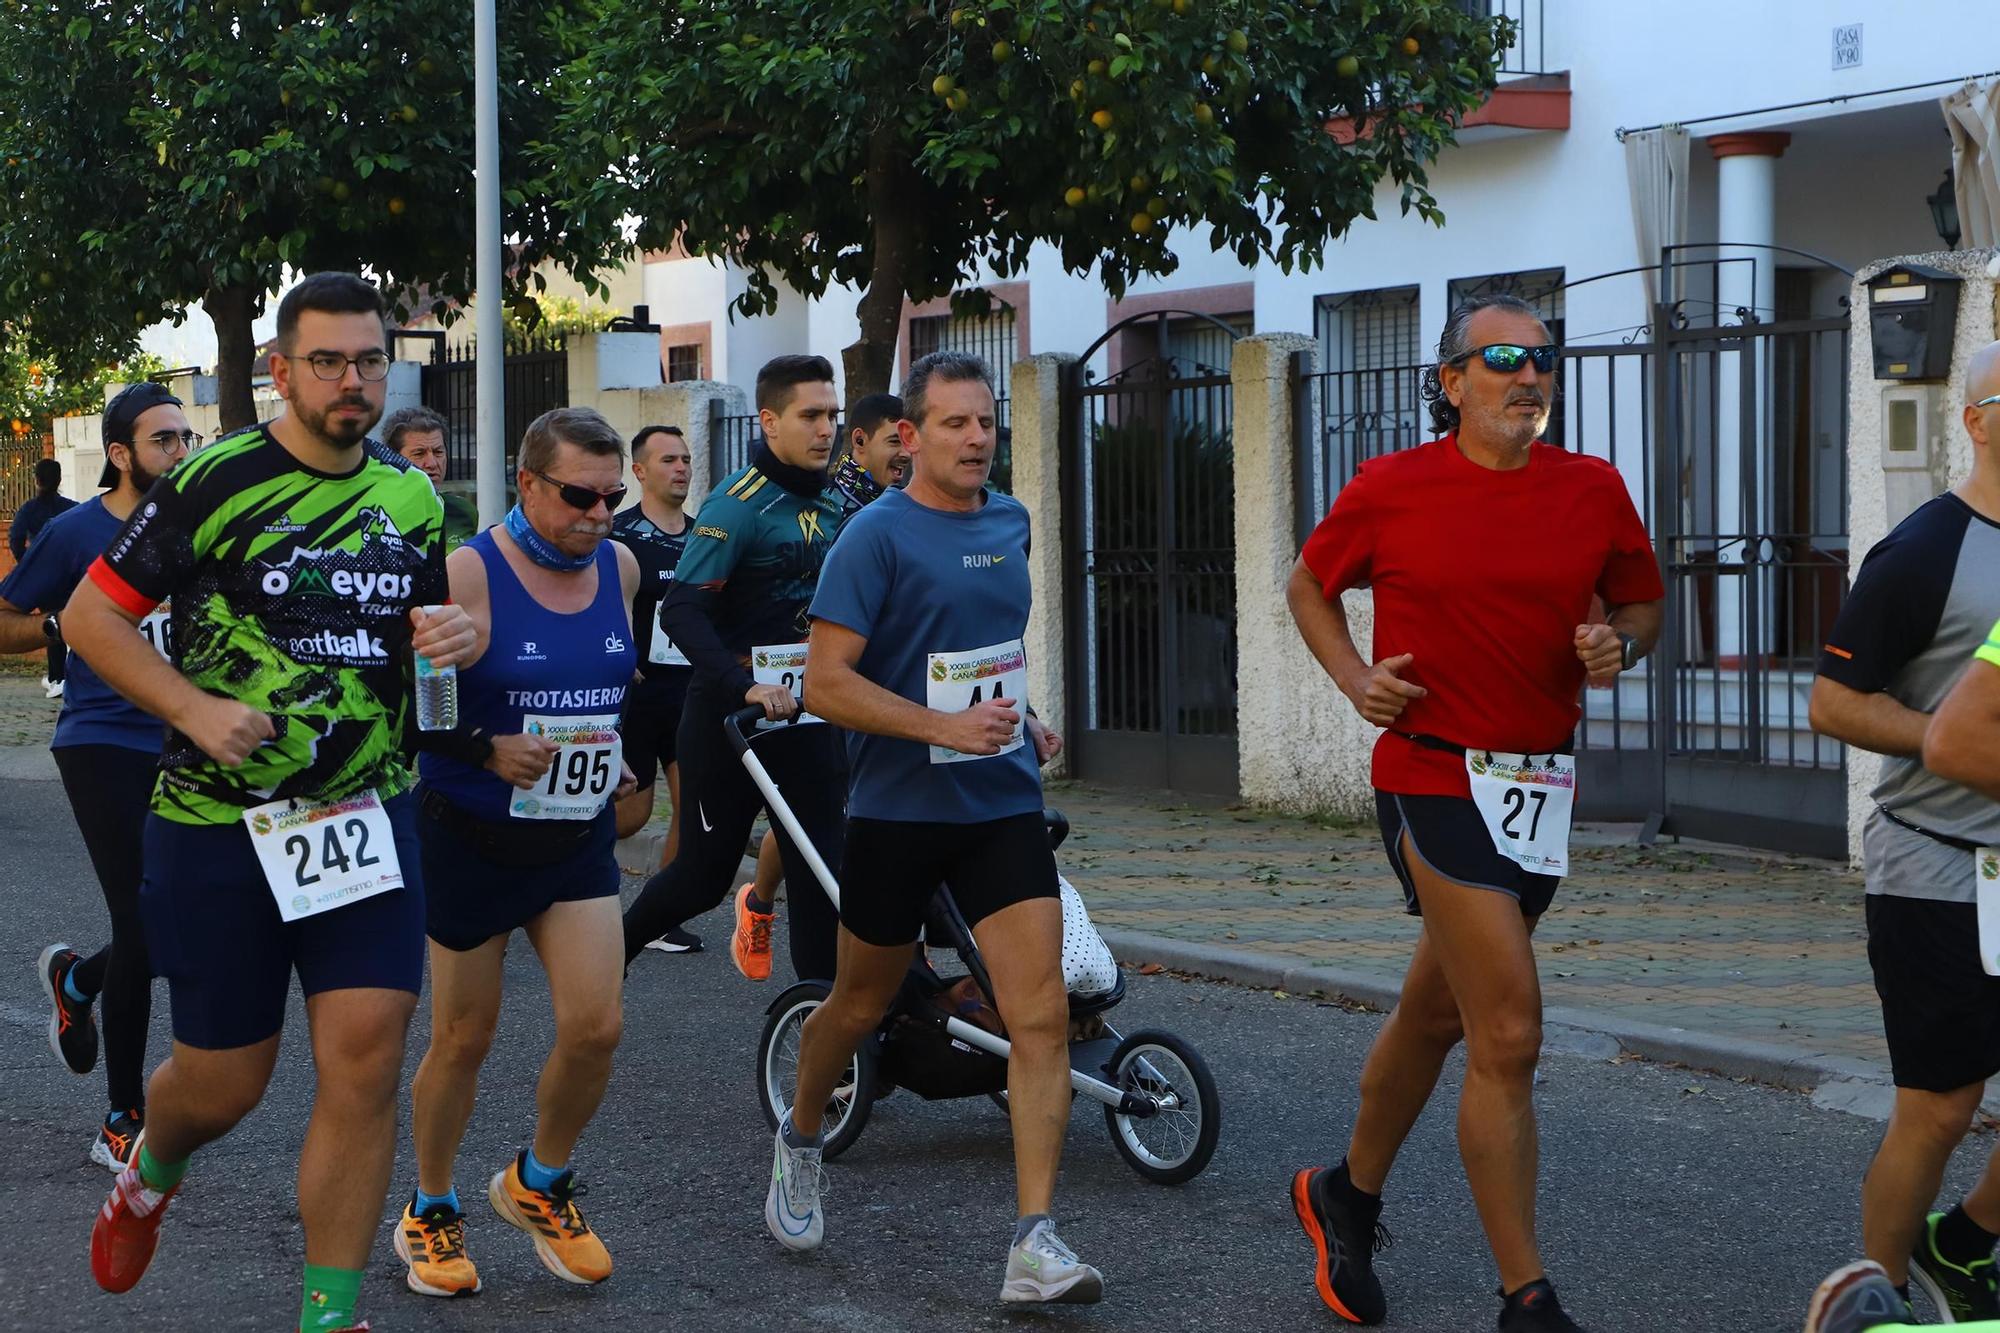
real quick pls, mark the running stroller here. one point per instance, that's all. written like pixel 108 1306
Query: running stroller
pixel 1160 1102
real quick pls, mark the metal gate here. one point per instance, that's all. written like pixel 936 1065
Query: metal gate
pixel 1148 468
pixel 534 379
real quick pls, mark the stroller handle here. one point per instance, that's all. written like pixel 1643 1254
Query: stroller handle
pixel 737 727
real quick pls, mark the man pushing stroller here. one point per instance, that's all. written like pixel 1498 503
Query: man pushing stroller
pixel 917 650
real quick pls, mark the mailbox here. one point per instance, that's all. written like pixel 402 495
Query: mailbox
pixel 1912 314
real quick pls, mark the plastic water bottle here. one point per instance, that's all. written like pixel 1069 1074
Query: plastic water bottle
pixel 437 692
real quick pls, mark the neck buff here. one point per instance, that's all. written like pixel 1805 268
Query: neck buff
pixel 800 481
pixel 854 482
pixel 538 548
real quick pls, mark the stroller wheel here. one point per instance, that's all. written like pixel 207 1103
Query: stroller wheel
pixel 853 1097
pixel 1174 1143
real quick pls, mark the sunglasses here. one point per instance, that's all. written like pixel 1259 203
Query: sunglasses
pixel 583 499
pixel 1506 358
pixel 1988 401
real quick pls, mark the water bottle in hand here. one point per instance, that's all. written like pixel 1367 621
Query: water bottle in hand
pixel 437 691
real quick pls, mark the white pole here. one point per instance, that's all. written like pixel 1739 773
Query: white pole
pixel 491 451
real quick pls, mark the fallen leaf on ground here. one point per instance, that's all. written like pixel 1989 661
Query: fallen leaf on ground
pixel 1151 970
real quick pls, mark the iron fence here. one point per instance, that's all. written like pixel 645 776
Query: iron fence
pixel 534 379
pixel 731 441
pixel 1528 54
pixel 18 456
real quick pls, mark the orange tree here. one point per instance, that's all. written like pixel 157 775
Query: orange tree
pixel 895 145
pixel 161 153
pixel 35 389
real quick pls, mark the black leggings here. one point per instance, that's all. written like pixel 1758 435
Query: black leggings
pixel 109 789
pixel 719 805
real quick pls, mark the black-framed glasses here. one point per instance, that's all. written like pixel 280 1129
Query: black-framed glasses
pixel 1506 358
pixel 371 366
pixel 583 499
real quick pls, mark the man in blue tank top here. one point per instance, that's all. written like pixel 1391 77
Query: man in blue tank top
pixel 108 751
pixel 518 830
pixel 737 608
pixel 917 650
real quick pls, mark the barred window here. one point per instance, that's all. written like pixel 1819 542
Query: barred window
pixel 684 362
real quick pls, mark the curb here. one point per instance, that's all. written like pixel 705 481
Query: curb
pixel 1578 1031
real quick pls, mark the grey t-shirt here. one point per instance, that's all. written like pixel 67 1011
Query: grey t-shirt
pixel 1923 603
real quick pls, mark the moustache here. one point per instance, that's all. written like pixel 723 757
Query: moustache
pixel 590 529
pixel 1531 399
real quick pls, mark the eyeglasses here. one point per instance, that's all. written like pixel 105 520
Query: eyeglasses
pixel 583 499
pixel 169 441
pixel 1506 358
pixel 370 366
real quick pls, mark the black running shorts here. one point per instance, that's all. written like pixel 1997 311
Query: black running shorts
pixel 891 869
pixel 1940 1011
pixel 652 721
pixel 1453 842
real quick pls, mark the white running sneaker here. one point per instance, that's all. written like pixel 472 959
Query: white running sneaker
pixel 791 1209
pixel 1043 1269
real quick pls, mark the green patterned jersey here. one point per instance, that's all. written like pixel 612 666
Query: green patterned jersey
pixel 291 592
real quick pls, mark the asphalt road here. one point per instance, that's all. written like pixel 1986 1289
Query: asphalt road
pixel 1671 1203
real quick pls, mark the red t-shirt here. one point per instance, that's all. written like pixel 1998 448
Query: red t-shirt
pixel 1483 576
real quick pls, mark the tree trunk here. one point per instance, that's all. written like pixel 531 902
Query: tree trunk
pixel 870 361
pixel 231 310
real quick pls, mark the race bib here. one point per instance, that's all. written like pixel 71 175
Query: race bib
pixel 782 664
pixel 583 773
pixel 955 682
pixel 319 855
pixel 665 652
pixel 1986 883
pixel 158 627
pixel 1526 801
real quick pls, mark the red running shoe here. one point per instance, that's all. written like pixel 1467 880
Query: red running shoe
pixel 126 1231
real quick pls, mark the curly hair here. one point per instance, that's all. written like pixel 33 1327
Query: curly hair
pixel 1454 344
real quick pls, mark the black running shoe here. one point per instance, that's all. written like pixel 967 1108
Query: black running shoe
pixel 1345 1234
pixel 1535 1309
pixel 676 940
pixel 72 1026
pixel 1964 1292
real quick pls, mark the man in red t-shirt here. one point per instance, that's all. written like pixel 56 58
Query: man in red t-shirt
pixel 1484 549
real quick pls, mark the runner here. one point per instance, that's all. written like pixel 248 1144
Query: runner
pixel 737 608
pixel 107 752
pixel 298 555
pixel 1921 607
pixel 36 513
pixel 518 831
pixel 875 461
pixel 916 650
pixel 418 434
pixel 1484 644
pixel 656 529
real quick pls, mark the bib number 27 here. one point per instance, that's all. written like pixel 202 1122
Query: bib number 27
pixel 1517 802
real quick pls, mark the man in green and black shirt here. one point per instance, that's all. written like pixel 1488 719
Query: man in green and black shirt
pixel 297 556
pixel 737 608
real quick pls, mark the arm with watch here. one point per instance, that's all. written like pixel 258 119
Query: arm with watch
pixel 1630 632
pixel 25 631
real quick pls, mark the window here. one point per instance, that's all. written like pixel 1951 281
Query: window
pixel 1373 362
pixel 683 362
pixel 1372 330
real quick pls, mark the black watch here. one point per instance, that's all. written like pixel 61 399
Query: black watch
pixel 52 628
pixel 1629 652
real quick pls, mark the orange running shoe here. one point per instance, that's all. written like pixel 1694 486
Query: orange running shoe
pixel 126 1231
pixel 564 1242
pixel 750 946
pixel 433 1245
pixel 117 1139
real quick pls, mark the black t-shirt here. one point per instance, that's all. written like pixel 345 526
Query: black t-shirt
pixel 658 551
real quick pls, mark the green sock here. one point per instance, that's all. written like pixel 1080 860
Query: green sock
pixel 329 1299
pixel 157 1175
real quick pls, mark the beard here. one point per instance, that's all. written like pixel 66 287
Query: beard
pixel 1503 425
pixel 338 431
pixel 142 480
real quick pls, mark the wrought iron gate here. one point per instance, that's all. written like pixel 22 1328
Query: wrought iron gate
pixel 1148 471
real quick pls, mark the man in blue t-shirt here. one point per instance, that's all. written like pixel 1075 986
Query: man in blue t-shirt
pixel 916 650
pixel 107 751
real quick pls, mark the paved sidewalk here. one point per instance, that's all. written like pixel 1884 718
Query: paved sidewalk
pixel 1739 946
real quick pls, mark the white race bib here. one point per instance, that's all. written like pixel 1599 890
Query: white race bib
pixel 583 773
pixel 1986 882
pixel 1526 801
pixel 782 664
pixel 954 682
pixel 158 627
pixel 665 652
pixel 319 855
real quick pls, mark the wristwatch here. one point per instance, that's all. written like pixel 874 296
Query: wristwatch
pixel 52 628
pixel 1630 653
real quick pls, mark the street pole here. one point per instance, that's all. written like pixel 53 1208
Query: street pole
pixel 491 351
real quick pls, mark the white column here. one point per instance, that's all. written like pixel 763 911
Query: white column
pixel 1746 216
